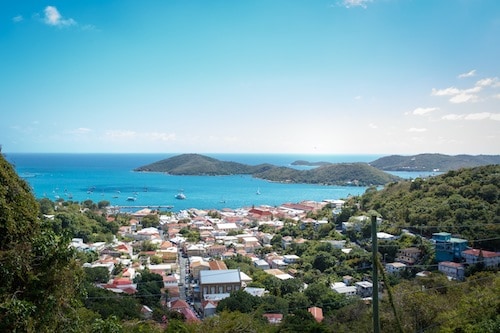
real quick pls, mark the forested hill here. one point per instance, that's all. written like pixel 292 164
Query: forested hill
pixel 464 202
pixel 195 164
pixel 356 174
pixel 431 162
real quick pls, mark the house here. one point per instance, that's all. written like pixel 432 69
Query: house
pixel 488 258
pixel 209 308
pixel 395 267
pixel 219 282
pixel 364 289
pixel 197 266
pixel 273 318
pixel 217 265
pixel 342 288
pixel 291 258
pixel 317 313
pixel 452 270
pixel 261 263
pixel 448 248
pixel 409 255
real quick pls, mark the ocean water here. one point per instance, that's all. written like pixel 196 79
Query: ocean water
pixel 110 177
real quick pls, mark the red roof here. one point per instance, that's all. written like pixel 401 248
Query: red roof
pixel 121 281
pixel 317 313
pixel 179 304
pixel 486 254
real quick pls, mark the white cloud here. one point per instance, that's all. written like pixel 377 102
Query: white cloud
pixel 54 18
pixel 418 130
pixel 452 116
pixel 80 131
pixel 468 74
pixel 473 116
pixel 120 134
pixel 422 111
pixel 17 18
pixel 373 126
pixel 355 3
pixel 158 136
pixel 445 92
pixel 463 98
pixel 489 81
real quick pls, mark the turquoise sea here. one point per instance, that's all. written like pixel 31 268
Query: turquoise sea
pixel 110 177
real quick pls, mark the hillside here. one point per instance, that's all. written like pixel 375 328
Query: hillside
pixel 356 174
pixel 195 164
pixel 351 174
pixel 432 162
pixel 464 202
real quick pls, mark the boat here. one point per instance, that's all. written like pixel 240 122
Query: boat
pixel 258 191
pixel 131 198
pixel 180 196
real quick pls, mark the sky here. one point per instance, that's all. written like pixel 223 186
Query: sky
pixel 250 76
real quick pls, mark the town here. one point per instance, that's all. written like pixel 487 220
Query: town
pixel 203 256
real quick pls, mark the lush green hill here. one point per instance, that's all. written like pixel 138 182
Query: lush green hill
pixel 195 164
pixel 430 162
pixel 356 174
pixel 464 202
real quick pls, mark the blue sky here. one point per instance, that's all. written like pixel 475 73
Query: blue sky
pixel 250 76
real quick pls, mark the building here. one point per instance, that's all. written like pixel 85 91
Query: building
pixel 364 289
pixel 409 255
pixel 317 313
pixel 448 248
pixel 452 270
pixel 395 267
pixel 342 288
pixel 488 258
pixel 219 282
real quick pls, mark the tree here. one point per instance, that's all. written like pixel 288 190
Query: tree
pixel 149 288
pixel 39 277
pixel 240 301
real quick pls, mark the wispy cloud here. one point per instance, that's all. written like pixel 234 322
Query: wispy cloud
pixel 373 126
pixel 54 18
pixel 458 96
pixel 158 136
pixel 18 18
pixel 120 134
pixel 80 131
pixel 422 111
pixel 417 130
pixel 473 116
pixel 468 74
pixel 355 3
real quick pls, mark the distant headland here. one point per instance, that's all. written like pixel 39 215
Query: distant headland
pixel 352 174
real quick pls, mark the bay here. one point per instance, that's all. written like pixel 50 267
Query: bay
pixel 110 177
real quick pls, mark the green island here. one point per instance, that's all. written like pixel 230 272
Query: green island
pixel 353 174
pixel 82 267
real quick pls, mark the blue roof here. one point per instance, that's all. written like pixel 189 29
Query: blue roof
pixel 220 276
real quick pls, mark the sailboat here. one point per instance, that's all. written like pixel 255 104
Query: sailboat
pixel 258 191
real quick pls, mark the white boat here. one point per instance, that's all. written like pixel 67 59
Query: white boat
pixel 180 196
pixel 131 198
pixel 258 191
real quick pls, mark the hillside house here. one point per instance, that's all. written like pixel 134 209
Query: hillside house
pixel 448 248
pixel 488 258
pixel 452 270
pixel 409 256
pixel 219 282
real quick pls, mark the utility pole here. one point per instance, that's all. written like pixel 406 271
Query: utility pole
pixel 376 319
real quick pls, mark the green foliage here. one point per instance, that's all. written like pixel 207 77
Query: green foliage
pixel 464 202
pixel 106 303
pixel 149 288
pixel 39 277
pixel 240 301
pixel 96 274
